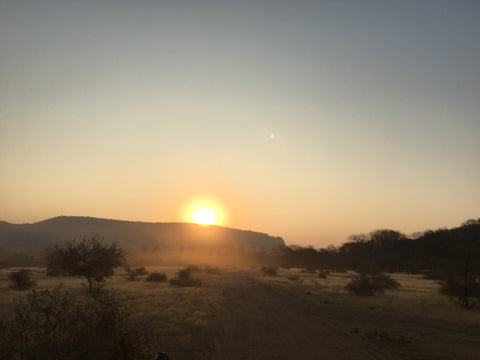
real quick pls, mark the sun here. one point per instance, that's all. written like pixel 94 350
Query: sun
pixel 204 216
pixel 205 210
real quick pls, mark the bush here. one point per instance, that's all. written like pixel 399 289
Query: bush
pixel 53 324
pixel 268 270
pixel 21 279
pixel 133 273
pixel 367 284
pixel 464 293
pixel 141 271
pixel 184 278
pixel 160 277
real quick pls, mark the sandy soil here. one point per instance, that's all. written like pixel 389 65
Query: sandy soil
pixel 267 320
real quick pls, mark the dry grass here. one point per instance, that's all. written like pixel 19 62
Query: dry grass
pixel 415 296
pixel 177 319
pixel 184 320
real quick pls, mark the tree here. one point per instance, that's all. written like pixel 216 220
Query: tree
pixel 462 271
pixel 91 258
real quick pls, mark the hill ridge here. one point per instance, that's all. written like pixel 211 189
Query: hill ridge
pixel 35 237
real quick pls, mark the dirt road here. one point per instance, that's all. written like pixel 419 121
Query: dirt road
pixel 268 321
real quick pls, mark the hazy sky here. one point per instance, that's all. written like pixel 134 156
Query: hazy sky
pixel 310 120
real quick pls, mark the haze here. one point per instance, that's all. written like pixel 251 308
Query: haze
pixel 309 120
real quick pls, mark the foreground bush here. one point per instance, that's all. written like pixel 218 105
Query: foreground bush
pixel 21 279
pixel 52 324
pixel 160 277
pixel 368 284
pixel 184 278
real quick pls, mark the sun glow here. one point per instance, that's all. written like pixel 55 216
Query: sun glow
pixel 205 211
pixel 204 216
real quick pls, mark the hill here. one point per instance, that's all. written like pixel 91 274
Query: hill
pixel 32 239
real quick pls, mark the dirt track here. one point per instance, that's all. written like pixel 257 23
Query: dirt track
pixel 268 321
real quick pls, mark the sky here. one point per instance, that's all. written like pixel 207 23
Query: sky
pixel 309 120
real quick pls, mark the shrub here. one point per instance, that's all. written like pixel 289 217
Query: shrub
pixel 133 273
pixel 464 292
pixel 268 270
pixel 141 271
pixel 385 281
pixel 367 284
pixel 160 277
pixel 184 278
pixel 53 324
pixel 21 279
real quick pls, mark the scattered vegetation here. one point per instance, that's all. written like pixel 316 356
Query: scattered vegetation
pixel 184 278
pixel 21 279
pixel 369 284
pixel 270 271
pixel 133 273
pixel 53 324
pixel 91 258
pixel 155 276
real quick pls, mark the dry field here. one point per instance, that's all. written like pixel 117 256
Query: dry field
pixel 242 314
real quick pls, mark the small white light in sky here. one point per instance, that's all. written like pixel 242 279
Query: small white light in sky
pixel 272 136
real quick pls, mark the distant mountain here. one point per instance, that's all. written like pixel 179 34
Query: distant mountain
pixel 34 238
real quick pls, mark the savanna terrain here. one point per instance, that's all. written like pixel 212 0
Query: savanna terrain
pixel 244 314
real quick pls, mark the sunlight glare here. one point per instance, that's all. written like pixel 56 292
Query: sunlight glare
pixel 205 210
pixel 204 216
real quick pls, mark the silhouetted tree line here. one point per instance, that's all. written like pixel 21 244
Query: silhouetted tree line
pixel 435 252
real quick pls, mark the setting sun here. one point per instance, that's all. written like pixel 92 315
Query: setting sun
pixel 205 210
pixel 204 216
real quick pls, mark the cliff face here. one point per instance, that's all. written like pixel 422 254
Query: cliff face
pixel 34 238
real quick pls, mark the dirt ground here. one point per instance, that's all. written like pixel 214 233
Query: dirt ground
pixel 268 320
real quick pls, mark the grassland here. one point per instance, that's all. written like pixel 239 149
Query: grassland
pixel 241 314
